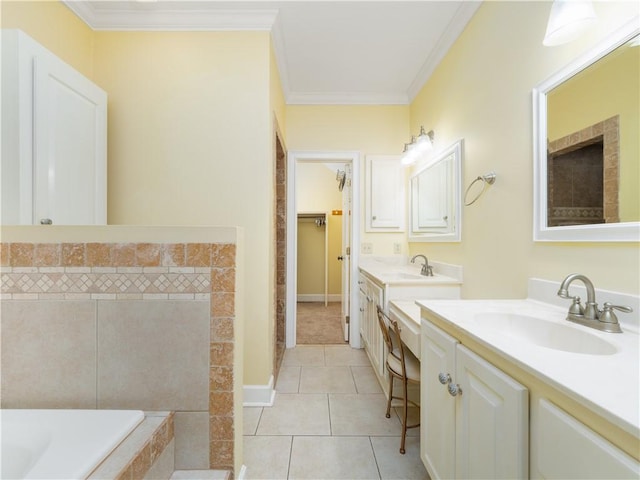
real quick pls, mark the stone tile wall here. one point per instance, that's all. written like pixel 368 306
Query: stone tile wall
pixel 608 131
pixel 136 325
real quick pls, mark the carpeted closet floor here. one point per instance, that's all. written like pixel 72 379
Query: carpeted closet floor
pixel 319 325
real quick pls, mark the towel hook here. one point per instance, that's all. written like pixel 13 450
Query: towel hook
pixel 488 179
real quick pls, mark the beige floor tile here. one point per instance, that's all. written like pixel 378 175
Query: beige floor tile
pixel 296 414
pixel 361 414
pixel 366 380
pixel 303 355
pixel 288 380
pixel 332 458
pixel 250 419
pixel 327 380
pixel 395 466
pixel 267 457
pixel 345 355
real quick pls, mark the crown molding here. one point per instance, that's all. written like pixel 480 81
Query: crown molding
pixel 345 98
pixel 465 12
pixel 168 16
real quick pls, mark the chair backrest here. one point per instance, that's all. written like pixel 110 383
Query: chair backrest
pixel 391 336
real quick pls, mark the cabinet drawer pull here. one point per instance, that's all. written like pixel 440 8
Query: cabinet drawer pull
pixel 444 378
pixel 454 389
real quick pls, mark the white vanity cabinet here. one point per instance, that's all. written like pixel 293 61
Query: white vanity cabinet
pixel 385 194
pixel 564 447
pixel 474 417
pixel 376 289
pixel 371 295
pixel 54 138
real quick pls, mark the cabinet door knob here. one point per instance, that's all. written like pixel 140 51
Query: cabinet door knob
pixel 454 389
pixel 444 378
pixel 340 257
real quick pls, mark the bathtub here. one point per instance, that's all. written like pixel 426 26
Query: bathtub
pixel 60 444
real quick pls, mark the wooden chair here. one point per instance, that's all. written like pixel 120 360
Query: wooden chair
pixel 400 364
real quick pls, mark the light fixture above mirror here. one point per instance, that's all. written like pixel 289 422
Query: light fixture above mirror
pixel 418 146
pixel 568 20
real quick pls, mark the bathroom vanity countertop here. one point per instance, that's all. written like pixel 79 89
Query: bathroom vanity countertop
pixel 409 274
pixel 409 308
pixel 608 384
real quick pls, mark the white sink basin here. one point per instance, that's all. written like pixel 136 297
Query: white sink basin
pixel 408 276
pixel 544 333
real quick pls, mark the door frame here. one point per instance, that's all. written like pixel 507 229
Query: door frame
pixel 292 238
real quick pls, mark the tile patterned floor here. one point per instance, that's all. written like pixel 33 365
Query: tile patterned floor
pixel 328 422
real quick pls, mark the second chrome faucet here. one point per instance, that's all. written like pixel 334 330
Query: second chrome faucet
pixel 426 270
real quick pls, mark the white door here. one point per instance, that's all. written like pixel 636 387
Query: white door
pixel 346 251
pixel 492 421
pixel 70 125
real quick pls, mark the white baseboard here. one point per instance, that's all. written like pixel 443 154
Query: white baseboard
pixel 259 395
pixel 311 297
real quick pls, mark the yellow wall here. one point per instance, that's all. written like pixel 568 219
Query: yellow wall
pixel 482 92
pixel 369 130
pixel 56 27
pixel 190 142
pixel 610 88
pixel 310 275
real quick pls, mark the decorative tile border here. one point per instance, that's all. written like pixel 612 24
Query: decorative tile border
pixel 124 271
pixel 94 283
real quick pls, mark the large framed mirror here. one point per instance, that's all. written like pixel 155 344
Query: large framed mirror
pixel 586 150
pixel 435 210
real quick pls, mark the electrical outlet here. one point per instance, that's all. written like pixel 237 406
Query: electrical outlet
pixel 366 248
pixel 396 248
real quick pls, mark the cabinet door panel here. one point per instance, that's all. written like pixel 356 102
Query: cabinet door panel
pixel 377 343
pixel 384 190
pixel 69 145
pixel 569 449
pixel 437 410
pixel 491 421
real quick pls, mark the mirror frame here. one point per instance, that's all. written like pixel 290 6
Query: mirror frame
pixel 601 232
pixel 456 150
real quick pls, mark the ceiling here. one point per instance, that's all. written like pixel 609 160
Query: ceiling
pixel 328 52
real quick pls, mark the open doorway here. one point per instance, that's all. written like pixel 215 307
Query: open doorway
pixel 322 267
pixel 319 309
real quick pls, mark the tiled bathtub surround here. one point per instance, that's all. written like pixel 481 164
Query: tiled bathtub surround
pixel 144 453
pixel 125 325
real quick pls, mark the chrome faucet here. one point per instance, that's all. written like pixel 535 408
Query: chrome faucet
pixel 426 270
pixel 589 315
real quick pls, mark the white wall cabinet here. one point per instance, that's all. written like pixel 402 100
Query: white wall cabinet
pixel 475 424
pixel 385 194
pixel 54 138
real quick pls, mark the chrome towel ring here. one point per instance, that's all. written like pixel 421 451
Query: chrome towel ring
pixel 488 179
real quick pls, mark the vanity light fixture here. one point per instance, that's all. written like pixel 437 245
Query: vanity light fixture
pixel 567 20
pixel 417 147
